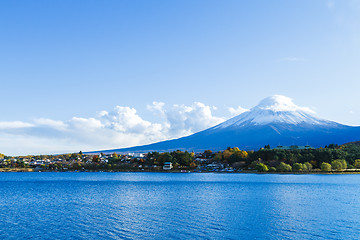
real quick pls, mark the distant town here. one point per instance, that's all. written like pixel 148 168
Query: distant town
pixel 330 158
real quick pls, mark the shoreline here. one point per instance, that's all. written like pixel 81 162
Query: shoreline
pixel 8 170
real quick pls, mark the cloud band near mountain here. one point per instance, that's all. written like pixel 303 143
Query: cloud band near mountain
pixel 120 127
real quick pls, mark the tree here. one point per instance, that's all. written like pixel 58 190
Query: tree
pixel 193 165
pixel 243 154
pixel 164 157
pixel 298 167
pixel 332 146
pixel 183 158
pixel 236 149
pixel 21 164
pixel 338 164
pixel 272 169
pixel 207 154
pixel 357 163
pixel 260 167
pixel 325 167
pixel 95 158
pixel 152 157
pixel 218 157
pixel 227 154
pixel 308 166
pixel 238 156
pixel 176 165
pixel 283 167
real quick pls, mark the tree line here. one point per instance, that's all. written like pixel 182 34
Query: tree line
pixel 329 158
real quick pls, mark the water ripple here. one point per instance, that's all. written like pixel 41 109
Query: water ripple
pixel 178 206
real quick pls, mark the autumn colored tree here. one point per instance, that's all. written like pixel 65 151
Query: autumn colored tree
pixel 193 165
pixel 95 158
pixel 236 149
pixel 227 154
pixel 207 154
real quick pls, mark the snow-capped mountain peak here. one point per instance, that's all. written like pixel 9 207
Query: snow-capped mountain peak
pixel 274 109
pixel 275 120
pixel 279 103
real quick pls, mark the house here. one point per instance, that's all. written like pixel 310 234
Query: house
pixel 198 159
pixel 136 155
pixel 215 166
pixel 167 166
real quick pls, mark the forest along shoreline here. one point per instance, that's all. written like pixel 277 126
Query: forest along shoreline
pixel 332 159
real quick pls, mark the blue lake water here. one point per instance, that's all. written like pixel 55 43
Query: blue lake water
pixel 178 206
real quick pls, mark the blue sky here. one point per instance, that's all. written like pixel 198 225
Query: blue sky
pixel 66 60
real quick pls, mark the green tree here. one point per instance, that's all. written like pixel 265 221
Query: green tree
pixel 298 167
pixel 260 167
pixel 308 166
pixel 339 164
pixel 207 154
pixel 164 157
pixel 272 169
pixel 218 157
pixel 357 163
pixel 183 158
pixel 325 167
pixel 152 157
pixel 283 167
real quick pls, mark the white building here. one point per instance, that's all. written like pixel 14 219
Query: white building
pixel 167 166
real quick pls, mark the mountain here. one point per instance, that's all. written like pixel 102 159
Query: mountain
pixel 276 120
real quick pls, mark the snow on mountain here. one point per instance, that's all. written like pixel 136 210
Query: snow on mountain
pixel 274 109
pixel 275 120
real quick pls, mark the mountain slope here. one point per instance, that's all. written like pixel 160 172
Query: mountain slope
pixel 276 120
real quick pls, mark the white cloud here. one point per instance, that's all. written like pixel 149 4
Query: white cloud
pixel 184 120
pixel 90 124
pixel 237 111
pixel 15 125
pixel 121 127
pixel 156 107
pixel 50 123
pixel 125 119
pixel 22 144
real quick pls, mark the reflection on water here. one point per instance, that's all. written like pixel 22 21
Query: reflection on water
pixel 178 206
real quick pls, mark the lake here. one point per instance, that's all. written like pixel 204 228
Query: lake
pixel 178 206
